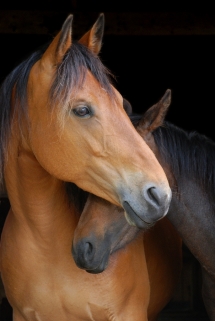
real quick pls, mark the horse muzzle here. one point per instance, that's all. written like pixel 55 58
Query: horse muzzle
pixel 87 257
pixel 153 206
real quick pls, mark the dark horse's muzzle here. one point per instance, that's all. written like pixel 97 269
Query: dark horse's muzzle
pixel 95 240
pixel 91 254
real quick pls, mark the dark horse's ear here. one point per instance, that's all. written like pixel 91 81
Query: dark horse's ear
pixel 154 116
pixel 93 38
pixel 127 106
pixel 56 51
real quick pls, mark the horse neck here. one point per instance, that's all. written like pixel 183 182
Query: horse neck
pixel 192 214
pixel 37 199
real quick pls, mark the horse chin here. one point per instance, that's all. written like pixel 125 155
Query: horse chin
pixel 133 219
pixel 94 265
pixel 103 265
pixel 96 271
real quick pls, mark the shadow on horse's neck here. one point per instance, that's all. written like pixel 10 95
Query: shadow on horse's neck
pixel 36 197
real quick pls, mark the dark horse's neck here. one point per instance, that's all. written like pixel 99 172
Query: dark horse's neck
pixel 189 159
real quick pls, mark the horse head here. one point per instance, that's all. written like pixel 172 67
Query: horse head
pixel 76 127
pixel 102 230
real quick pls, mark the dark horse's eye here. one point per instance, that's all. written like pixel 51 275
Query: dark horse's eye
pixel 82 111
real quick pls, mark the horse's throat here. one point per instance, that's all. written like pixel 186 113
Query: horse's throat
pixel 35 196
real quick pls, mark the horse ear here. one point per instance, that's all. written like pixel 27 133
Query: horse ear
pixel 127 106
pixel 56 51
pixel 154 116
pixel 93 38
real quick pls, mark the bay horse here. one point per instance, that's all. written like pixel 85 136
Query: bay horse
pixel 188 160
pixel 62 120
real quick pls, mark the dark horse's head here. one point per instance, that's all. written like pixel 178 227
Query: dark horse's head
pixel 103 228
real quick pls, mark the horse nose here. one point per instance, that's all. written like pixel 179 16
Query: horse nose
pixel 155 205
pixel 88 257
pixel 158 200
pixel 83 253
pixel 153 196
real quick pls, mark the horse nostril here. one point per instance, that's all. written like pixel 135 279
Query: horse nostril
pixel 83 253
pixel 155 205
pixel 152 195
pixel 88 250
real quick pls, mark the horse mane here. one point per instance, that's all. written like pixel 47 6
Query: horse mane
pixel 189 154
pixel 18 77
pixel 70 74
pixel 76 196
pixel 72 71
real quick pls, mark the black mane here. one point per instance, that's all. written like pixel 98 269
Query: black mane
pixel 18 77
pixel 77 197
pixel 189 154
pixel 69 75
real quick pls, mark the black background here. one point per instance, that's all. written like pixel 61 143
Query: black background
pixel 144 66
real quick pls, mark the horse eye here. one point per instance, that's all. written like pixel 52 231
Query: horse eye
pixel 82 111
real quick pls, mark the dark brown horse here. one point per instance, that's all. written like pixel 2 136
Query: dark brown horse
pixel 188 160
